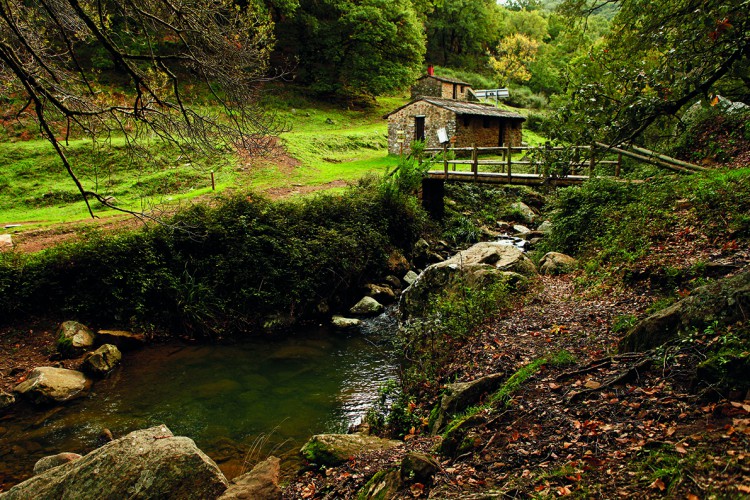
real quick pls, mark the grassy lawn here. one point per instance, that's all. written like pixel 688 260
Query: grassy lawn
pixel 325 147
pixel 325 144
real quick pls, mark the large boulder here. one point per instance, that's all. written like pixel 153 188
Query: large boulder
pixel 46 463
pixel 74 338
pixel 478 266
pixel 557 263
pixel 335 449
pixel 46 385
pixel 725 302
pixel 261 483
pixel 102 361
pixel 149 463
pixel 367 307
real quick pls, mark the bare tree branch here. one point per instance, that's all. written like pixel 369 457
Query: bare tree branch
pixel 171 55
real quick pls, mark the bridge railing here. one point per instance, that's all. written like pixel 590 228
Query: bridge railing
pixel 543 161
pixel 550 161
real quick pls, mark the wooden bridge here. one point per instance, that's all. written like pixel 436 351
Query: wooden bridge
pixel 545 165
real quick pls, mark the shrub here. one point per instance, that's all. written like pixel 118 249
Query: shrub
pixel 613 219
pixel 523 97
pixel 536 122
pixel 218 270
pixel 451 318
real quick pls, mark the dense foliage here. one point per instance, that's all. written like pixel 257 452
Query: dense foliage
pixel 610 222
pixel 659 58
pixel 352 49
pixel 240 266
pixel 164 58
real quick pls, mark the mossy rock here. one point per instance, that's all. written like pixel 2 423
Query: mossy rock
pixel 335 449
pixel 727 369
pixel 74 338
pixel 460 396
pixel 481 265
pixel 723 302
pixel 458 430
pixel 382 486
pixel 419 467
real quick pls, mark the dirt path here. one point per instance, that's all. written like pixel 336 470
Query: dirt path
pixel 607 426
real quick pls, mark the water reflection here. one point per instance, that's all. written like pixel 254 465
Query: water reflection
pixel 230 399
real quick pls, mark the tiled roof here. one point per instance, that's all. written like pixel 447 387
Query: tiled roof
pixel 472 108
pixel 464 108
pixel 445 79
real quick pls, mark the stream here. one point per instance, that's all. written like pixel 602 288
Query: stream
pixel 238 402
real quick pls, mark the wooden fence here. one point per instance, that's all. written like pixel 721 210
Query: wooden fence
pixel 577 163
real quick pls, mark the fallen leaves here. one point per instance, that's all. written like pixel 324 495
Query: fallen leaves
pixel 658 484
pixel 592 384
pixel 308 491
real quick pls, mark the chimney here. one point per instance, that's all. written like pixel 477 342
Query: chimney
pixel 430 70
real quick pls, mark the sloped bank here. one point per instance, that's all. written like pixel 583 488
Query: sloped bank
pixel 244 265
pixel 409 468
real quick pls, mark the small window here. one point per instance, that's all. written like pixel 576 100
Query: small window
pixel 463 89
pixel 486 122
pixel 467 121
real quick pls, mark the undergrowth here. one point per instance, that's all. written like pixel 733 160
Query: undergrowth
pixel 610 224
pixel 242 265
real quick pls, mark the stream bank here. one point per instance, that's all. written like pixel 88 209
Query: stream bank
pixel 238 401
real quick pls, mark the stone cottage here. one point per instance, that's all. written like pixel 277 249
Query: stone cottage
pixel 465 123
pixel 432 85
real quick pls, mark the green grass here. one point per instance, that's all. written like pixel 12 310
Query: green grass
pixel 326 146
pixel 36 190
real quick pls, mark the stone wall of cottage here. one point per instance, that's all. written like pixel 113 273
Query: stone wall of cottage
pixel 485 131
pixel 461 91
pixel 432 87
pixel 514 132
pixel 404 119
pixel 427 87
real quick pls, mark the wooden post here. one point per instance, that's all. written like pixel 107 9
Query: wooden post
pixel 592 161
pixel 474 162
pixel 619 165
pixel 453 144
pixel 445 159
pixel 213 182
pixel 507 151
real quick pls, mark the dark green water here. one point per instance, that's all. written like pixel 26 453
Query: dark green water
pixel 238 402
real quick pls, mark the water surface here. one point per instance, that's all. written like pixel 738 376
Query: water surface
pixel 238 402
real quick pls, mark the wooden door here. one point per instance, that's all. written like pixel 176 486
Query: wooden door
pixel 419 128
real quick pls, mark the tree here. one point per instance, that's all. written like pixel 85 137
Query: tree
pixel 354 49
pixel 461 32
pixel 660 57
pixel 514 54
pixel 52 52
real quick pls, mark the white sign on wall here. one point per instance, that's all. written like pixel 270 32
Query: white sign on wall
pixel 442 136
